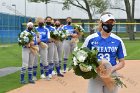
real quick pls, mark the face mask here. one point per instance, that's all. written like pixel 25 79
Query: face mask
pixel 48 23
pixel 41 24
pixel 107 27
pixel 69 23
pixel 52 24
pixel 29 28
pixel 57 25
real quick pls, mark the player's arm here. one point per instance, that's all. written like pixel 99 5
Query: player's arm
pixel 75 34
pixel 119 66
pixel 120 55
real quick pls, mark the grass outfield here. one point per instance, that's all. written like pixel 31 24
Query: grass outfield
pixel 11 56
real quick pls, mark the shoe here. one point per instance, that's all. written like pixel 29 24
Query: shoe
pixel 42 76
pixel 60 75
pixel 34 78
pixel 53 73
pixel 47 78
pixel 50 76
pixel 64 71
pixel 23 82
pixel 31 81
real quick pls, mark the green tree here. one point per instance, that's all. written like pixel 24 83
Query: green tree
pixel 89 6
pixel 130 11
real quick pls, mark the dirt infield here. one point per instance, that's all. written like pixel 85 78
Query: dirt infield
pixel 74 84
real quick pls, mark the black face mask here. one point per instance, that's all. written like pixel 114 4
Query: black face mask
pixel 107 27
pixel 52 24
pixel 57 25
pixel 69 23
pixel 40 24
pixel 48 23
pixel 29 28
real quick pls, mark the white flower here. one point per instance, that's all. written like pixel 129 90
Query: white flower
pixel 76 48
pixel 55 33
pixel 89 68
pixel 81 55
pixel 67 33
pixel 59 32
pixel 26 39
pixel 19 40
pixel 85 68
pixel 63 36
pixel 75 61
pixel 21 34
pixel 26 33
pixel 81 58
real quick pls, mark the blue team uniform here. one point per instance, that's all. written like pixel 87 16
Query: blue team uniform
pixel 43 34
pixel 70 30
pixel 59 29
pixel 50 28
pixel 109 48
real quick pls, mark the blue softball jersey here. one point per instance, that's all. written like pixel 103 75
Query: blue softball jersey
pixel 69 30
pixel 50 28
pixel 109 48
pixel 43 34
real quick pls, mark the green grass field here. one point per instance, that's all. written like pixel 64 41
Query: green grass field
pixel 11 56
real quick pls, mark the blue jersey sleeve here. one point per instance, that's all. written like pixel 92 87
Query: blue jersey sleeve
pixel 89 45
pixel 120 53
pixel 34 38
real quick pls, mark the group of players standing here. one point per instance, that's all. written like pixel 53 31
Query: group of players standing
pixel 50 57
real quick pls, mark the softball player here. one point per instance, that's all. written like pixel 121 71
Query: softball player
pixel 52 51
pixel 68 46
pixel 109 47
pixel 59 43
pixel 28 57
pixel 43 51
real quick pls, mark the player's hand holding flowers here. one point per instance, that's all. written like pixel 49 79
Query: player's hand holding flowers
pixel 85 64
pixel 26 39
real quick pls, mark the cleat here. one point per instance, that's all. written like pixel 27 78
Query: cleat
pixel 42 76
pixel 53 73
pixel 60 75
pixel 34 78
pixel 23 82
pixel 50 76
pixel 31 81
pixel 64 71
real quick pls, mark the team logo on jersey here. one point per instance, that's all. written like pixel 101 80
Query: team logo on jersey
pixel 94 43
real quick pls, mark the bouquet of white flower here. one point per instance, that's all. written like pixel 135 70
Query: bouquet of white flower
pixel 85 64
pixel 58 35
pixel 24 38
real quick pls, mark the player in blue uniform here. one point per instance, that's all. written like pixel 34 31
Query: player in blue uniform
pixel 52 50
pixel 43 50
pixel 68 46
pixel 28 56
pixel 110 47
pixel 58 27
